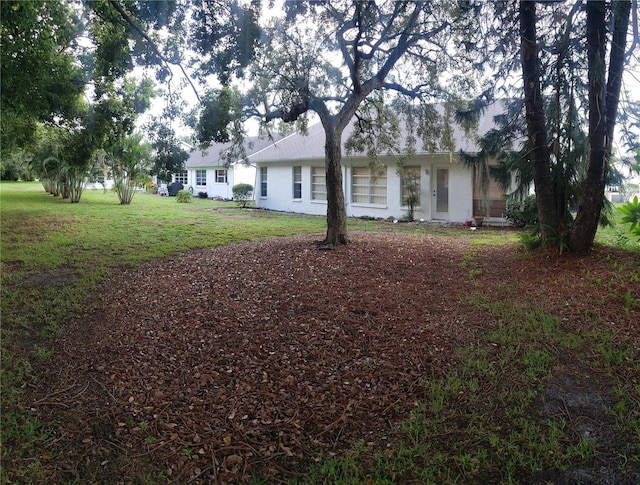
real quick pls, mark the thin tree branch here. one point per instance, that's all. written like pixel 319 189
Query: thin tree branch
pixel 412 93
pixel 635 40
pixel 127 18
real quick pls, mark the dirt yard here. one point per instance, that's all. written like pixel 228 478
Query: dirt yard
pixel 265 358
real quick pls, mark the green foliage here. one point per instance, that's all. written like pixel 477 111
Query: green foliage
pixel 41 79
pixel 184 196
pixel 116 111
pixel 64 158
pixel 129 166
pixel 225 37
pixel 242 194
pixel 220 109
pixel 522 214
pixel 412 183
pixel 169 156
pixel 16 166
pixel 631 211
pixel 617 235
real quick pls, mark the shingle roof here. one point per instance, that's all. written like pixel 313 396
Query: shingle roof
pixel 211 157
pixel 310 146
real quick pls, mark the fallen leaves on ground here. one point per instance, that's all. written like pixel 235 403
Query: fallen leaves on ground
pixel 264 358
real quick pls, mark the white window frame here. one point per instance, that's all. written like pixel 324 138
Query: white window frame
pixel 221 176
pixel 181 178
pixel 297 182
pixel 201 178
pixel 318 184
pixel 263 181
pixel 369 186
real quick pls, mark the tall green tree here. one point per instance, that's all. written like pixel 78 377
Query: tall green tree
pixel 40 80
pixel 64 157
pixel 604 21
pixel 605 82
pixel 129 162
pixel 335 59
pixel 169 155
pixel 567 103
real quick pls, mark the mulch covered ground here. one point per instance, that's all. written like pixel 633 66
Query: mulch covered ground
pixel 266 357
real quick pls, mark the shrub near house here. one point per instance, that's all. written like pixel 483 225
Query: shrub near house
pixel 243 194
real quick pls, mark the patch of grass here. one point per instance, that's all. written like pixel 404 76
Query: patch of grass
pixel 481 422
pixel 617 235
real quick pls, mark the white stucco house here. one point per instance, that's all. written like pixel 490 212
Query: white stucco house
pixel 629 186
pixel 290 176
pixel 207 170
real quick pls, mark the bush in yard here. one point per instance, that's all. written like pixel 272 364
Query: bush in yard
pixel 412 183
pixel 203 195
pixel 183 196
pixel 522 214
pixel 631 211
pixel 243 194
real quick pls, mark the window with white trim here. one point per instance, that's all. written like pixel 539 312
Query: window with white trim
pixel 181 178
pixel 221 176
pixel 318 183
pixel 201 178
pixel 263 181
pixel 410 183
pixel 297 182
pixel 368 185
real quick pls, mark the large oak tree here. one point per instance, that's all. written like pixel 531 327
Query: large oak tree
pixel 334 59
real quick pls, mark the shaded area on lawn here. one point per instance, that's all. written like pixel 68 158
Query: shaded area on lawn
pixel 266 358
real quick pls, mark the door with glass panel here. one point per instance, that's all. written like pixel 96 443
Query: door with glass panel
pixel 440 193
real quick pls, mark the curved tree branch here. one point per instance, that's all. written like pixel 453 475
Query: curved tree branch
pixel 635 39
pixel 127 18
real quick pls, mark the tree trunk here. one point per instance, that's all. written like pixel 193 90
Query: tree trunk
pixel 548 216
pixel 603 107
pixel 336 212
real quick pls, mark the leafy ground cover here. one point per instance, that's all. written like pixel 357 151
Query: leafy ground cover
pixel 416 354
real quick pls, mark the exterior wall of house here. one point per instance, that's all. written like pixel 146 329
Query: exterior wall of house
pixel 378 196
pixel 629 188
pixel 279 185
pixel 212 186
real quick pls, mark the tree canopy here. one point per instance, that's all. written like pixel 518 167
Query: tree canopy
pixel 41 79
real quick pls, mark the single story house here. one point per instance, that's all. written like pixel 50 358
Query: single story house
pixel 290 176
pixel 207 170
